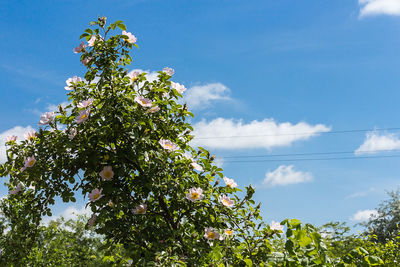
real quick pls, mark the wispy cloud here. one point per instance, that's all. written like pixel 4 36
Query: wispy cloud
pixel 286 175
pixel 231 134
pixel 379 7
pixel 375 143
pixel 361 194
pixel 363 215
pixel 18 131
pixel 36 74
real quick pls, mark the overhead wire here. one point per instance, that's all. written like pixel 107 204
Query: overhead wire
pixel 307 154
pixel 304 133
pixel 310 159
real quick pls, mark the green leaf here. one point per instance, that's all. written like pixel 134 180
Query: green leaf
pixel 121 26
pixel 83 35
pixel 248 262
pixel 294 223
pixel 304 240
pixel 374 260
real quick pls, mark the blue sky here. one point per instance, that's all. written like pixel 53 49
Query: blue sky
pixel 274 68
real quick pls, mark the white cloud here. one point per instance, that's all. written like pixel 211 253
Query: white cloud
pixel 18 131
pixel 361 194
pixel 363 215
pixel 379 7
pixel 285 175
pixel 374 143
pixel 256 134
pixel 201 96
pixel 70 212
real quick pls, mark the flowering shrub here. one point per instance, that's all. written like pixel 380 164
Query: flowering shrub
pixel 124 143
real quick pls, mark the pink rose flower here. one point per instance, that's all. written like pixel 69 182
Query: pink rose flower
pixel 168 71
pixel 71 81
pixel 226 201
pixel 131 38
pixel 144 102
pixel 95 194
pixel 80 48
pixel 46 118
pixel 30 135
pixel 167 144
pixel 85 103
pixel 11 138
pixel 178 87
pixel 83 115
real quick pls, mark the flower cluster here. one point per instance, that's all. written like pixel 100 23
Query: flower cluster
pixel 196 194
pixel 211 234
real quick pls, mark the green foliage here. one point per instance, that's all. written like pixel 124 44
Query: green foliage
pixel 139 129
pixel 338 239
pixel 61 243
pixel 68 243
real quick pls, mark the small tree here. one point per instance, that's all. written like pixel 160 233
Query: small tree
pixel 124 141
pixel 385 225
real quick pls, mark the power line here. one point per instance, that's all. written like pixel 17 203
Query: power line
pixel 306 154
pixel 305 133
pixel 310 159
